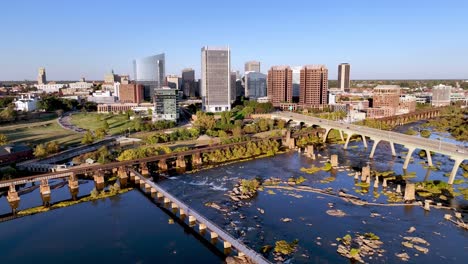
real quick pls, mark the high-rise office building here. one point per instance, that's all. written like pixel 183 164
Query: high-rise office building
pixel 41 78
pixel 150 72
pixel 344 83
pixel 314 86
pixel 441 95
pixel 216 79
pixel 255 85
pixel 279 85
pixel 233 87
pixel 173 81
pixel 252 66
pixel 166 107
pixel 188 79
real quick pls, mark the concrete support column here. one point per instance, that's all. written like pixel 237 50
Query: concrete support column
pixel 144 168
pixel 13 198
pixel 214 237
pixel 374 146
pixel 159 195
pixel 192 220
pixel 334 160
pixel 202 228
pixel 162 165
pixel 310 151
pixel 341 135
pixel 182 213
pixel 196 159
pixel 44 190
pixel 326 135
pixel 180 162
pixel 392 146
pixel 364 140
pixel 410 192
pixel 123 176
pixel 458 161
pixel 227 245
pixel 365 173
pixel 73 186
pixel 347 141
pixel 166 201
pixel 99 180
pixel 429 157
pixel 408 157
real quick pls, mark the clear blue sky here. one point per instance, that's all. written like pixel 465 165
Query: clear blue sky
pixel 382 39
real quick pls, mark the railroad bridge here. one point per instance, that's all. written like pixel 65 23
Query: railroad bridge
pixel 410 117
pixel 161 163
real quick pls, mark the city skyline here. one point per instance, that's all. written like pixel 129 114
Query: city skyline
pixel 412 45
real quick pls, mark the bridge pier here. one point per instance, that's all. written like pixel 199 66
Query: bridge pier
pixel 153 192
pixel 73 186
pixel 99 180
pixel 334 160
pixel 374 146
pixel 144 169
pixel 310 151
pixel 325 135
pixel 341 135
pixel 392 146
pixel 202 228
pixel 180 162
pixel 162 165
pixel 364 140
pixel 44 190
pixel 429 158
pixel 123 176
pixel 347 141
pixel 196 160
pixel 408 157
pixel 214 237
pixel 192 220
pixel 13 198
pixel 458 161
pixel 365 173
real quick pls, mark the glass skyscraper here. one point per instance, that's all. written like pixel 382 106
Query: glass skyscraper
pixel 150 72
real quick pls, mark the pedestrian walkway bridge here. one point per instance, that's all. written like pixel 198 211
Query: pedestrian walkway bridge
pixel 195 218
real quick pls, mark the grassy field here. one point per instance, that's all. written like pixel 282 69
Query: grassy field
pixel 93 121
pixel 40 132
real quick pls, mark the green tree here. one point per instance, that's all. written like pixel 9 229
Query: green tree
pixel 40 151
pixel 237 132
pixel 425 133
pixel 88 138
pixel 100 133
pixel 52 147
pixel 3 139
pixel 105 125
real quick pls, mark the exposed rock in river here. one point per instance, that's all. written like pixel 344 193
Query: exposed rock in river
pixel 336 212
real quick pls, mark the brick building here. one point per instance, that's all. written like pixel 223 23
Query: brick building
pixel 313 86
pixel 387 96
pixel 131 93
pixel 279 85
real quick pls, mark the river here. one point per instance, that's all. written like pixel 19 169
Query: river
pixel 131 228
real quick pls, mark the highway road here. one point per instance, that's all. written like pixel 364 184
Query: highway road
pixel 395 137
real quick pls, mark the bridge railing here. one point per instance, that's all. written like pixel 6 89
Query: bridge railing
pixel 253 255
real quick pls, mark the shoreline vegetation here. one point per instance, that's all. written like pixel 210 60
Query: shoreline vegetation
pixel 93 196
